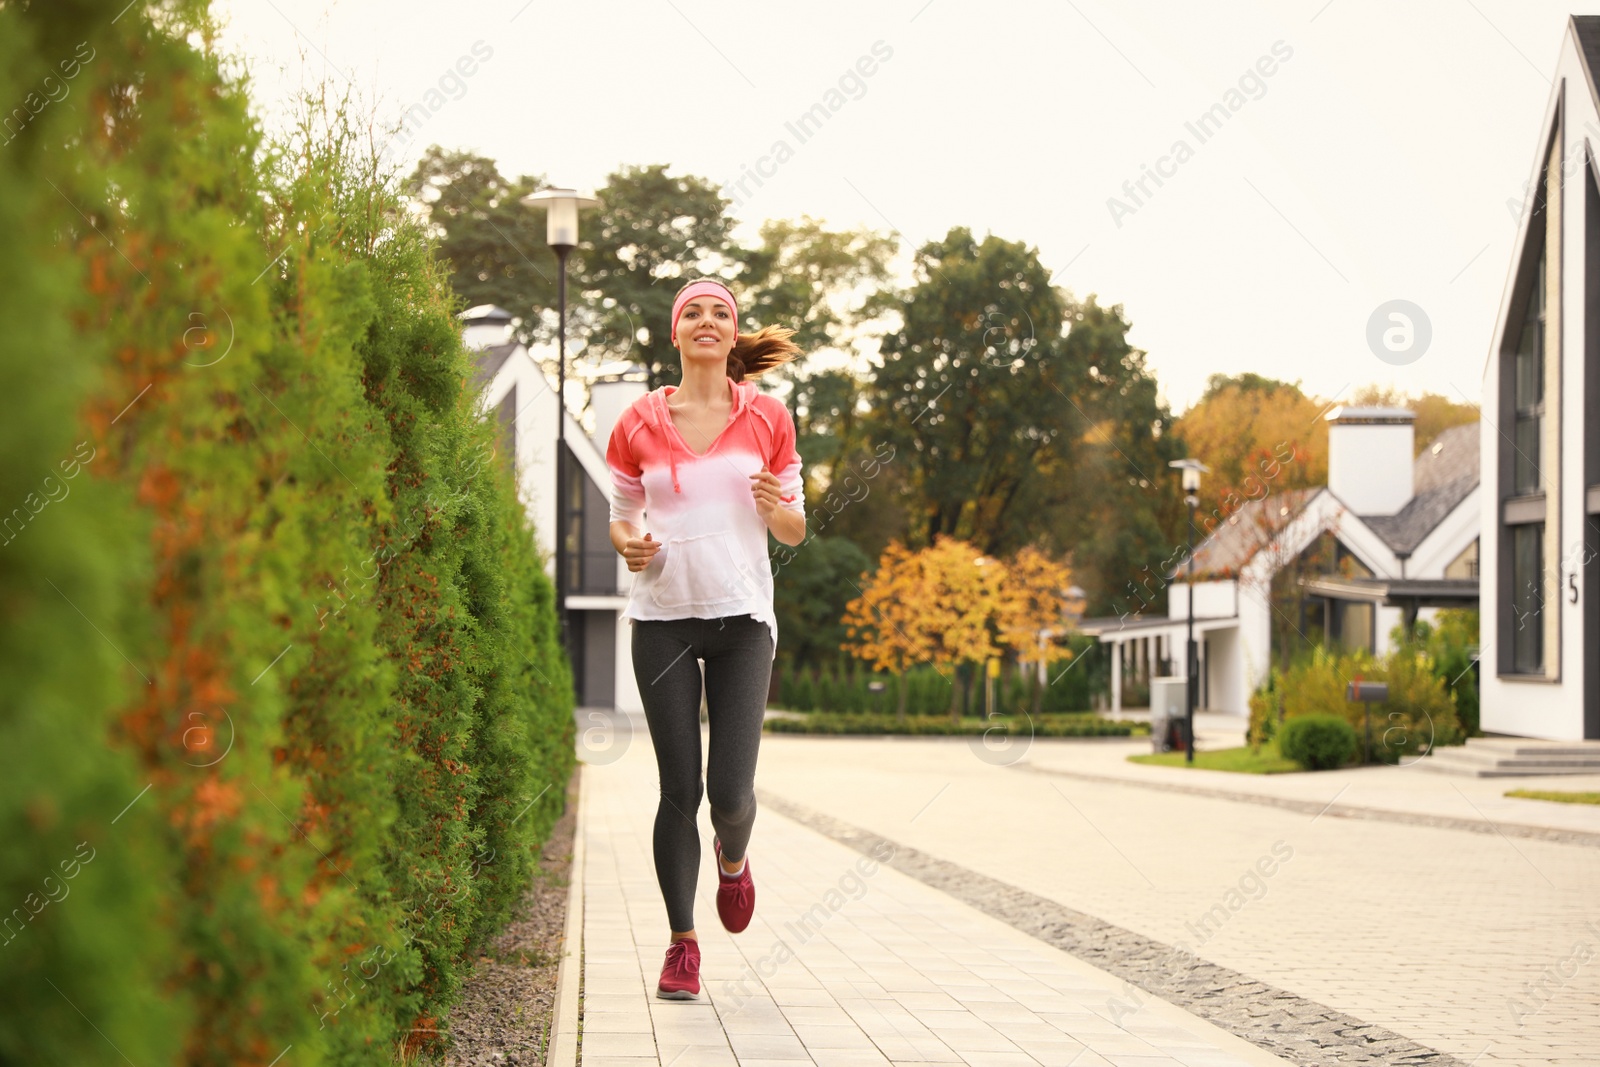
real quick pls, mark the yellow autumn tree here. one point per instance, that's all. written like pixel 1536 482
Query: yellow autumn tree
pixel 887 626
pixel 1033 612
pixel 1242 424
pixel 936 606
pixel 965 590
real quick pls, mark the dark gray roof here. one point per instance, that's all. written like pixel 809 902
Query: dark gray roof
pixel 1452 455
pixel 1244 533
pixel 1442 477
pixel 488 362
pixel 1586 28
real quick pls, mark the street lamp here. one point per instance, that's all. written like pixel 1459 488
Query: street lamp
pixel 561 231
pixel 1190 469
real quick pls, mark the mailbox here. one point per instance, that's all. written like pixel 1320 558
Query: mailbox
pixel 1366 692
pixel 1359 692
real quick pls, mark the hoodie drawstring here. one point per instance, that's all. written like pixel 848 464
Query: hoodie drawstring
pixel 657 409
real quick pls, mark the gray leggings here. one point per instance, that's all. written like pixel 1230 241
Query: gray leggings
pixel 738 656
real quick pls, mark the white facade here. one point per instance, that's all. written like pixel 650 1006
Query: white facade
pixel 1540 631
pixel 519 393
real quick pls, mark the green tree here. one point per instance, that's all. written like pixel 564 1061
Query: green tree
pixel 973 392
pixel 1122 514
pixel 1020 416
pixel 494 243
pixel 652 231
pixel 813 582
pixel 818 282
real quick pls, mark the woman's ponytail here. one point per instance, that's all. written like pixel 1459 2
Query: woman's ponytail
pixel 756 353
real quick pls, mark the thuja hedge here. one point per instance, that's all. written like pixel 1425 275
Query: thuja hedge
pixel 285 715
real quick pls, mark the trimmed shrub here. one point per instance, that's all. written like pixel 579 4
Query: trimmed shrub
pixel 1318 742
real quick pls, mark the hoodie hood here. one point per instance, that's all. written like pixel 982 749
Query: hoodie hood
pixel 654 413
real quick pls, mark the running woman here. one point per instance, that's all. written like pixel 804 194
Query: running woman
pixel 712 462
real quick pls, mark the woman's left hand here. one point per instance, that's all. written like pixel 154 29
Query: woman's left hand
pixel 765 489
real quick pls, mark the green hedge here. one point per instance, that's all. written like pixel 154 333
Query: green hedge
pixel 1043 726
pixel 278 644
pixel 928 691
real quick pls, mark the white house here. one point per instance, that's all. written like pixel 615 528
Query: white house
pixel 513 386
pixel 1541 389
pixel 1400 536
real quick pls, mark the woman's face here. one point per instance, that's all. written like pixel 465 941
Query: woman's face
pixel 706 331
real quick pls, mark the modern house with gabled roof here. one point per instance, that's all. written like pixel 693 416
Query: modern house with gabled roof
pixel 511 384
pixel 1391 537
pixel 1540 668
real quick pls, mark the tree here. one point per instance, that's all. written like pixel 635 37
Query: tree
pixel 814 280
pixel 1033 612
pixel 974 391
pixel 1436 413
pixel 806 597
pixel 1121 512
pixel 965 591
pixel 887 625
pixel 494 243
pixel 1239 420
pixel 938 605
pixel 652 231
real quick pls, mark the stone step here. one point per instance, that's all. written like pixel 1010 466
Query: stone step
pixel 1521 746
pixel 1476 762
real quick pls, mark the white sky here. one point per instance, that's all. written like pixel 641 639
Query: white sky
pixel 1377 165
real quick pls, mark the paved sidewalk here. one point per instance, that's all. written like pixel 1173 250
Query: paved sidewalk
pixel 847 962
pixel 1482 945
pixel 1408 789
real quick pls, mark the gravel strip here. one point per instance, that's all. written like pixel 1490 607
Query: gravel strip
pixel 508 1000
pixel 1292 1027
pixel 1340 811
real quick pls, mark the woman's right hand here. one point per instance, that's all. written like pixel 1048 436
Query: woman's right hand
pixel 639 553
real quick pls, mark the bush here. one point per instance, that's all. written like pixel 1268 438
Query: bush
pixel 1318 742
pixel 1264 708
pixel 1450 642
pixel 1419 714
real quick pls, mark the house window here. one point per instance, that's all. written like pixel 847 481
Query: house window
pixel 1528 391
pixel 1466 564
pixel 1527 598
pixel 1527 466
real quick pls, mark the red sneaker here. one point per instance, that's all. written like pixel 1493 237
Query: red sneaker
pixel 680 975
pixel 736 895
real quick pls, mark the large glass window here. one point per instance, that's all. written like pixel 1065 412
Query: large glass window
pixel 1527 598
pixel 1529 391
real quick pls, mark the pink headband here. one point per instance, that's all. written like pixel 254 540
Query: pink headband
pixel 703 288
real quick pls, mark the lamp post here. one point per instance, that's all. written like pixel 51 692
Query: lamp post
pixel 1190 469
pixel 561 231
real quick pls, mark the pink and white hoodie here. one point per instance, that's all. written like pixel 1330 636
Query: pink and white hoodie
pixel 713 558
